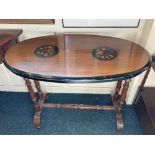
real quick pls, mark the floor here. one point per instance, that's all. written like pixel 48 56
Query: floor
pixel 16 112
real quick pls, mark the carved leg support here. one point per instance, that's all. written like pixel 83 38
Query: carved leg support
pixel 41 95
pixel 118 87
pixel 120 103
pixel 37 115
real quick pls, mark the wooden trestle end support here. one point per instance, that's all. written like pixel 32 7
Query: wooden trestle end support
pixel 39 99
pixel 119 101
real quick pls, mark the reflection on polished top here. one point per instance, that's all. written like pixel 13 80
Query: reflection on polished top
pixel 74 59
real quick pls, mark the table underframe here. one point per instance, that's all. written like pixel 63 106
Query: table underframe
pixel 38 101
pixel 119 99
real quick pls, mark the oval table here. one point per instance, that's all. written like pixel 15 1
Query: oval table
pixel 75 58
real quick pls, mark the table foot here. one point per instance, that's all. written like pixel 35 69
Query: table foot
pixel 119 122
pixel 37 119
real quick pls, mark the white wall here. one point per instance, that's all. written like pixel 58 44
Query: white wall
pixel 11 82
pixel 149 44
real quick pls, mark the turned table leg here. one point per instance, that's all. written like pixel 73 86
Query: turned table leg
pixel 118 87
pixel 41 96
pixel 37 85
pixel 37 115
pixel 119 105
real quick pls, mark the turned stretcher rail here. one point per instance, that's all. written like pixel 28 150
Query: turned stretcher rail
pixel 78 106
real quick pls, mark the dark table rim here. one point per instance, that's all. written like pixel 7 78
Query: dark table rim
pixel 94 79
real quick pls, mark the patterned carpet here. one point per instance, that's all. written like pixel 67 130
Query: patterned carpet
pixel 16 112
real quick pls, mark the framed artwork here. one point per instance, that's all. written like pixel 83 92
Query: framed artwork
pixel 27 21
pixel 100 23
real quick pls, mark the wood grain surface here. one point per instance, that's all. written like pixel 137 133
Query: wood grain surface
pixel 75 59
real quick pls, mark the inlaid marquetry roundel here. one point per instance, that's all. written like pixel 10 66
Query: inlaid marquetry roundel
pixel 46 51
pixel 104 53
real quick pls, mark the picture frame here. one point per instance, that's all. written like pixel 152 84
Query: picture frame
pixel 27 21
